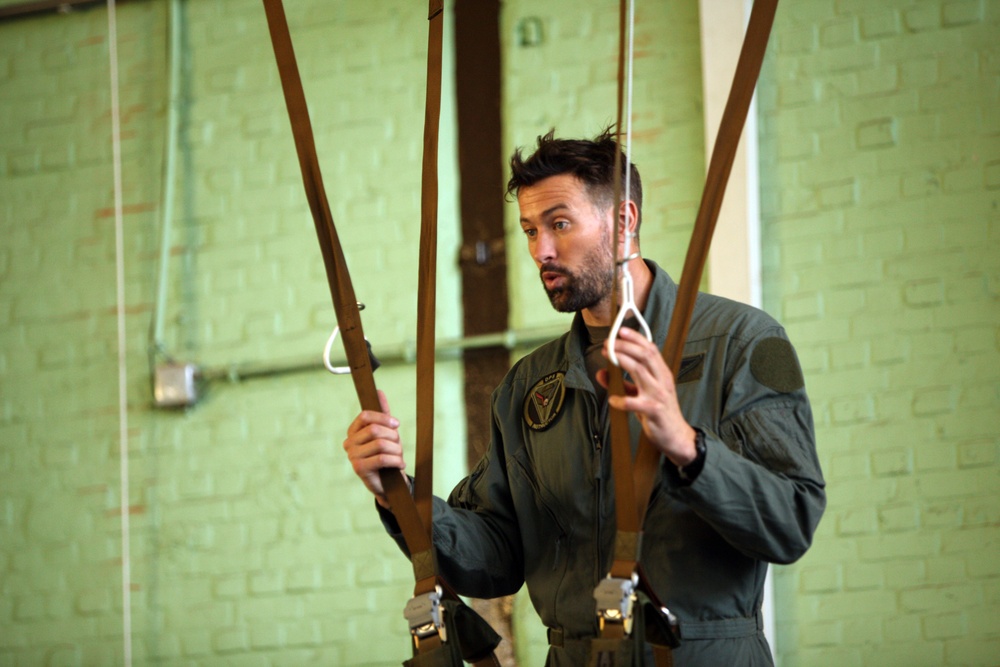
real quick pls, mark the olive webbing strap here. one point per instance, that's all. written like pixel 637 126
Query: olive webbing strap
pixel 416 535
pixel 723 155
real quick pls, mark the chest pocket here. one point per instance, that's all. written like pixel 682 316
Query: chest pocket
pixel 559 461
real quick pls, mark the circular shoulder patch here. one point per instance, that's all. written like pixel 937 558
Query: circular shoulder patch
pixel 544 401
pixel 774 364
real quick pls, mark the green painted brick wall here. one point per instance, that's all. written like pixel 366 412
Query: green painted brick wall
pixel 252 543
pixel 880 134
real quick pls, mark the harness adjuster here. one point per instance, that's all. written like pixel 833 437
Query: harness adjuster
pixel 425 616
pixel 616 598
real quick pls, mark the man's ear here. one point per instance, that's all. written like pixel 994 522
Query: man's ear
pixel 628 217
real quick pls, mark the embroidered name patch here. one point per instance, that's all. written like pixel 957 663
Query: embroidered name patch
pixel 691 368
pixel 544 401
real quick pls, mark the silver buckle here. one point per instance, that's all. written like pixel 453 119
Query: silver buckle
pixel 615 598
pixel 425 616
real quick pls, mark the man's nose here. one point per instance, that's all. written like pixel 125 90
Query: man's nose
pixel 544 248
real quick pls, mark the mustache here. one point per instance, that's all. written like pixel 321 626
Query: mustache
pixel 553 268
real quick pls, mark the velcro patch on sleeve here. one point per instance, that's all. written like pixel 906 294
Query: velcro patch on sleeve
pixel 775 365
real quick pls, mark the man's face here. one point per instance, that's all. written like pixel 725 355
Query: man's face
pixel 570 241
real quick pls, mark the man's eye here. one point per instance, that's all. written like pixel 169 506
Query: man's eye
pixel 530 233
pixel 560 224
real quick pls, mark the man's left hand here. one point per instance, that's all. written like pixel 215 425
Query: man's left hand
pixel 651 395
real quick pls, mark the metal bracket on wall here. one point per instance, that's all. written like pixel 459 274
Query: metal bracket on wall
pixel 175 385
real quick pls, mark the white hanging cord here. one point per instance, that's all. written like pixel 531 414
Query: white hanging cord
pixel 169 186
pixel 122 368
pixel 336 370
pixel 627 285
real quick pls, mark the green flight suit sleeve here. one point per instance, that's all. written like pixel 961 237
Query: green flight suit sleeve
pixel 476 535
pixel 761 487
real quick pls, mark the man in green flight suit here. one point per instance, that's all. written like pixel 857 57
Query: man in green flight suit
pixel 739 483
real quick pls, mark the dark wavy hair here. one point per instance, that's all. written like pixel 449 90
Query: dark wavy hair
pixel 593 162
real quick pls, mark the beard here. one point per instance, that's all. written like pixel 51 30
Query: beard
pixel 585 287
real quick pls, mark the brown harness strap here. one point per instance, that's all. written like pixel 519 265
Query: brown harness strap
pixel 341 289
pixel 427 274
pixel 634 484
pixel 427 314
pixel 413 513
pixel 723 154
pixel 616 595
pixel 663 656
pixel 628 536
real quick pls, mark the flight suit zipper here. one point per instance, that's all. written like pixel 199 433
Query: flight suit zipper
pixel 597 439
pixel 599 480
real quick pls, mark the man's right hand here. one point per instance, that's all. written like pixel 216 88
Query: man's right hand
pixel 372 444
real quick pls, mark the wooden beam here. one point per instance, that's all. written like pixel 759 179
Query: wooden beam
pixel 483 257
pixel 481 173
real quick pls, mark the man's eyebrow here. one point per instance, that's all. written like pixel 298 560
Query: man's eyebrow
pixel 549 211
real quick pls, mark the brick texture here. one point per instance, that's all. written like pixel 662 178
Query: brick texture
pixel 903 180
pixel 252 543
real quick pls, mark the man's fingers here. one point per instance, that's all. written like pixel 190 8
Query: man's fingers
pixel 631 345
pixel 634 361
pixel 383 402
pixel 604 379
pixel 370 457
pixel 375 460
pixel 371 440
pixel 636 338
pixel 640 358
pixel 372 444
pixel 370 417
pixel 380 432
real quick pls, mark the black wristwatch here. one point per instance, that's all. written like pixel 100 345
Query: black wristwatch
pixel 690 472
